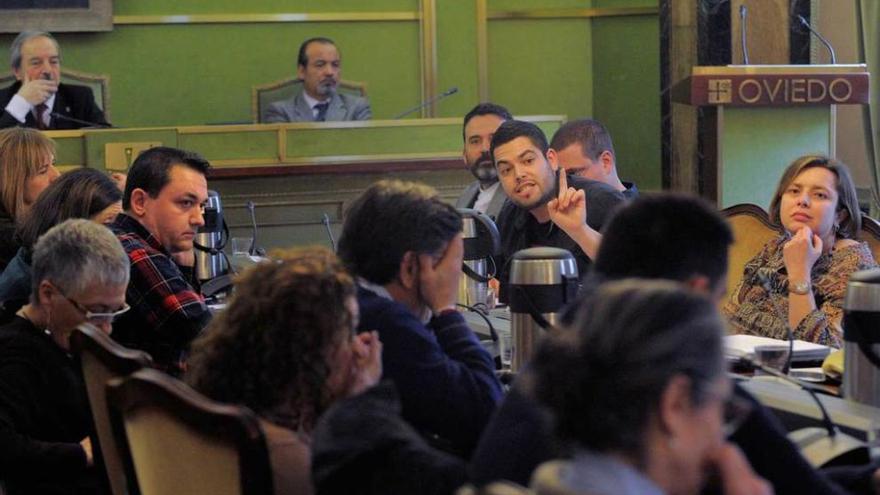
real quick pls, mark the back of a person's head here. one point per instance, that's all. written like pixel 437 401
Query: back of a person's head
pixel 603 377
pixel 80 193
pixel 269 348
pixel 666 236
pixel 22 152
pixel 78 254
pixel 590 134
pixel 390 219
pixel 151 170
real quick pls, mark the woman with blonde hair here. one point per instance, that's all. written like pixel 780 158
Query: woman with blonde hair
pixel 27 166
pixel 798 280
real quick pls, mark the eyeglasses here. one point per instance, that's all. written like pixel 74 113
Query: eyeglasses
pixel 96 318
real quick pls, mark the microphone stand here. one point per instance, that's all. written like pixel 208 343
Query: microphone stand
pixel 742 33
pixel 250 206
pixel 56 115
pixel 821 38
pixel 448 92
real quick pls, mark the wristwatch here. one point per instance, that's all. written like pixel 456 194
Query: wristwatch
pixel 800 288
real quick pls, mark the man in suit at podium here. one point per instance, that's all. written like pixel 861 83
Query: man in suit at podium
pixel 37 98
pixel 318 66
pixel 484 194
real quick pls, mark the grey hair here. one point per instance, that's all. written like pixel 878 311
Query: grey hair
pixel 77 253
pixel 21 39
pixel 606 375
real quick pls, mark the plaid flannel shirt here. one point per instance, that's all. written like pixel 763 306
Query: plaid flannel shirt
pixel 167 312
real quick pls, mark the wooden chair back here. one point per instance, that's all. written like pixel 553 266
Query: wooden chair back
pixel 101 360
pixel 751 231
pixel 871 234
pixel 175 440
pixel 263 95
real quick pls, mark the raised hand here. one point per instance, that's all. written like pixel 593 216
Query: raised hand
pixel 569 212
pixel 800 254
pixel 569 209
pixel 367 361
pixel 37 91
pixel 438 280
pixel 86 444
pixel 737 476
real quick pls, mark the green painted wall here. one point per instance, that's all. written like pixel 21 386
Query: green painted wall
pixel 749 158
pixel 165 75
pixel 626 90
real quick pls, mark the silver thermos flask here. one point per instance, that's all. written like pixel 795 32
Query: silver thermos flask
pixel 861 338
pixel 481 242
pixel 209 258
pixel 542 281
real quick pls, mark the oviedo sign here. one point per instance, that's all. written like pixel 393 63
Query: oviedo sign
pixel 785 86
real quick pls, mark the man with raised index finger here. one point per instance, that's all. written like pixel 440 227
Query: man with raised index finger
pixel 546 207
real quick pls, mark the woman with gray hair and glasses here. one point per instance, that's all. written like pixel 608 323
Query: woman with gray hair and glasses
pixel 638 387
pixel 80 273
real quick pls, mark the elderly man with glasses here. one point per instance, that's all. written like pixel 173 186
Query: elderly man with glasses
pixel 80 273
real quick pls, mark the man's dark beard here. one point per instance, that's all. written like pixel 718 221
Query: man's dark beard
pixel 484 169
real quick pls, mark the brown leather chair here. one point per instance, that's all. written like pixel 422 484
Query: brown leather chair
pixel 751 231
pixel 263 95
pixel 174 440
pixel 871 234
pixel 102 360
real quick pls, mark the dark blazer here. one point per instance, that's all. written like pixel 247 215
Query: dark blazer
pixel 469 196
pixel 342 107
pixel 71 100
pixel 445 378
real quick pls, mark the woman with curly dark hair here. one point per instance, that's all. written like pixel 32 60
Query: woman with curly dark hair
pixel 285 348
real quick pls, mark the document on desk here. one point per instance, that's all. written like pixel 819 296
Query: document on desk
pixel 743 346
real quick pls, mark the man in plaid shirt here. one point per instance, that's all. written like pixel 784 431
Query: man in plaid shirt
pixel 162 207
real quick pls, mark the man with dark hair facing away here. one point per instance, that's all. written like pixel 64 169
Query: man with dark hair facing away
pixel 404 245
pixel 585 150
pixel 484 194
pixel 163 207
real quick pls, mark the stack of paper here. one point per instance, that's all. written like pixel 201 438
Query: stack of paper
pixel 743 346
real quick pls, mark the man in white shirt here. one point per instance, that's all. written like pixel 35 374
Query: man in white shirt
pixel 484 194
pixel 319 66
pixel 37 98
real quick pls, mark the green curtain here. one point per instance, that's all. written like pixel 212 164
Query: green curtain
pixel 869 30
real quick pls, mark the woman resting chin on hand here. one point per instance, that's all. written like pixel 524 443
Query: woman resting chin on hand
pixel 798 280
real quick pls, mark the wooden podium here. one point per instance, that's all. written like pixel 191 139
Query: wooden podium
pixel 759 118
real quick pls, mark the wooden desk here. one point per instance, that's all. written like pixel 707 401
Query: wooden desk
pixel 296 173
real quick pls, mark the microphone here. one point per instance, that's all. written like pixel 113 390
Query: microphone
pixel 829 425
pixel 56 115
pixel 764 277
pixel 251 207
pixel 448 92
pixel 742 33
pixel 326 222
pixel 821 38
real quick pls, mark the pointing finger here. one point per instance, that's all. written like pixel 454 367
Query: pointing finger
pixel 563 181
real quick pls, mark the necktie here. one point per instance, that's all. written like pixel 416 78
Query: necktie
pixel 41 110
pixel 322 111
